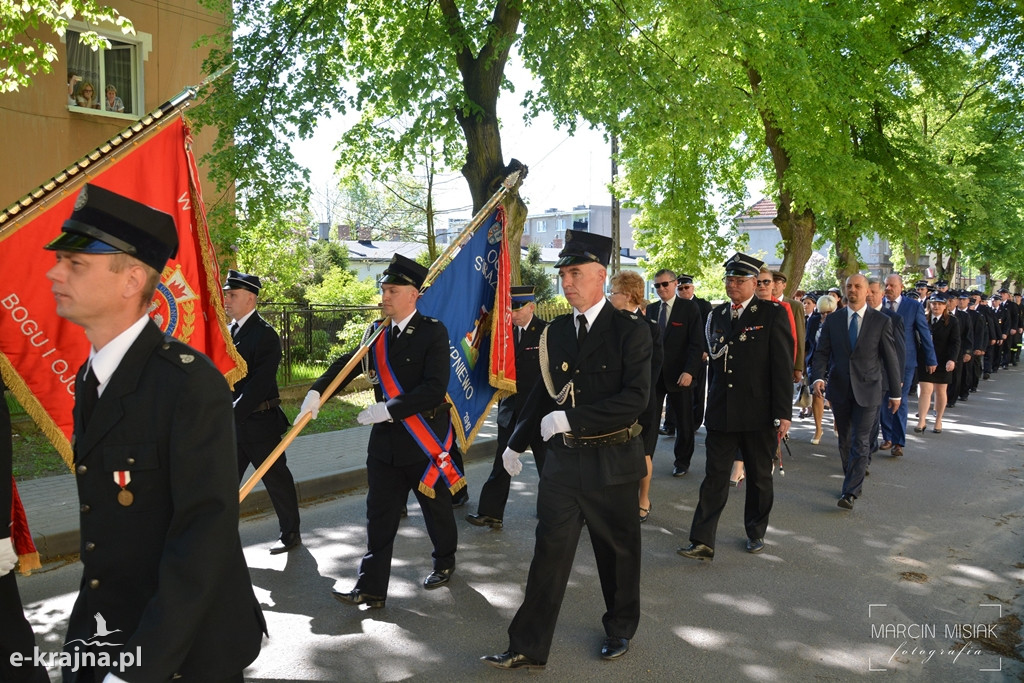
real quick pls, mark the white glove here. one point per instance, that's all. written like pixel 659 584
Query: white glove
pixel 378 412
pixel 511 461
pixel 8 558
pixel 443 459
pixel 310 404
pixel 111 678
pixel 554 423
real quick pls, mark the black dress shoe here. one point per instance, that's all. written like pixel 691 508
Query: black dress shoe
pixel 460 499
pixel 484 520
pixel 697 551
pixel 512 660
pixel 286 543
pixel 846 502
pixel 666 431
pixel 357 597
pixel 613 648
pixel 438 578
pixel 755 545
pixel 679 471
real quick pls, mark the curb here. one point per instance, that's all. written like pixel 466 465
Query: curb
pixel 59 545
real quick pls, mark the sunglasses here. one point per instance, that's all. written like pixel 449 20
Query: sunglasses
pixel 763 282
pixel 660 285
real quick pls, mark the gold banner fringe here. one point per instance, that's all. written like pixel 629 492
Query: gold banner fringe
pixel 210 267
pixel 28 562
pixel 35 410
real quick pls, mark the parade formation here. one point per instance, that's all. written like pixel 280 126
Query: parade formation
pixel 160 550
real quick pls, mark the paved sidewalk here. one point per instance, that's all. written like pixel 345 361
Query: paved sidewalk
pixel 322 464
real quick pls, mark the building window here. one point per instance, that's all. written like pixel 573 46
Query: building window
pixel 542 226
pixel 561 225
pixel 526 228
pixel 108 80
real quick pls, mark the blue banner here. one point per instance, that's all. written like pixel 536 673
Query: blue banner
pixel 463 297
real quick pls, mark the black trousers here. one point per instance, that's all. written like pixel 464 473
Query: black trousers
pixel 978 366
pixel 700 393
pixel 955 381
pixel 494 492
pixel 992 358
pixel 16 634
pixel 680 407
pixel 610 515
pixel 278 480
pixel 388 489
pixel 757 449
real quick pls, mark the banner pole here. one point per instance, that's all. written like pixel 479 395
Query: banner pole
pixel 439 264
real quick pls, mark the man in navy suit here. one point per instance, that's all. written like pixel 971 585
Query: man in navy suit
pixel 917 336
pixel 855 348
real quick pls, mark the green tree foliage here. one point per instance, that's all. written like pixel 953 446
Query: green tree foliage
pixel 813 98
pixel 279 253
pixel 532 272
pixel 436 66
pixel 26 48
pixel 393 210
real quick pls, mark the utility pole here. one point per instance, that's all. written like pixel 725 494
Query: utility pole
pixel 616 242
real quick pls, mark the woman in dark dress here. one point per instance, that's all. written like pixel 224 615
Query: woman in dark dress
pixel 946 338
pixel 627 294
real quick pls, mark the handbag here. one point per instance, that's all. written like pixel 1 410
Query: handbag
pixel 803 397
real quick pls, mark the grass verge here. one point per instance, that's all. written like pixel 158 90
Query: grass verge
pixel 35 456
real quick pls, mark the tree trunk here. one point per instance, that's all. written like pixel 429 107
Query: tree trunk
pixel 845 240
pixel 482 75
pixel 797 228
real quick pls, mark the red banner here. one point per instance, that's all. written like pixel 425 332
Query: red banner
pixel 39 351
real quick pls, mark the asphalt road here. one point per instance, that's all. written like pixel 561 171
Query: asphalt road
pixel 934 543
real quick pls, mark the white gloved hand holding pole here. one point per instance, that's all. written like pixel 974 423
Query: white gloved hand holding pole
pixel 310 404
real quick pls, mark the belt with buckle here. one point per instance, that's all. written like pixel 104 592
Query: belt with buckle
pixel 610 439
pixel 436 412
pixel 267 405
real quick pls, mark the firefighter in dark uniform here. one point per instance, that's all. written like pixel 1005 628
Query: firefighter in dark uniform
pixel 259 420
pixel 526 329
pixel 163 573
pixel 595 384
pixel 417 357
pixel 15 632
pixel 749 409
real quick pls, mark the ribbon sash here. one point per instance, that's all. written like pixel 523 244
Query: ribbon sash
pixel 440 465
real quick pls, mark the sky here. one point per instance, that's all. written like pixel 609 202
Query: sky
pixel 565 170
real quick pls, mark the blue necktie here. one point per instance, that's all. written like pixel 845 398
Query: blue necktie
pixel 853 329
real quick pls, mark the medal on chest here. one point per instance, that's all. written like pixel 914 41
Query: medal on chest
pixel 124 496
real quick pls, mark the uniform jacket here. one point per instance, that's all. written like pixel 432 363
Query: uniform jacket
pixel 527 371
pixel 652 416
pixel 419 359
pixel 917 336
pixel 611 376
pixel 167 570
pixel 750 385
pixel 946 338
pixel 979 327
pixel 857 374
pixel 963 319
pixel 682 344
pixel 259 344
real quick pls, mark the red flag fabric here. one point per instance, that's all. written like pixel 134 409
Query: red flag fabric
pixel 39 351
